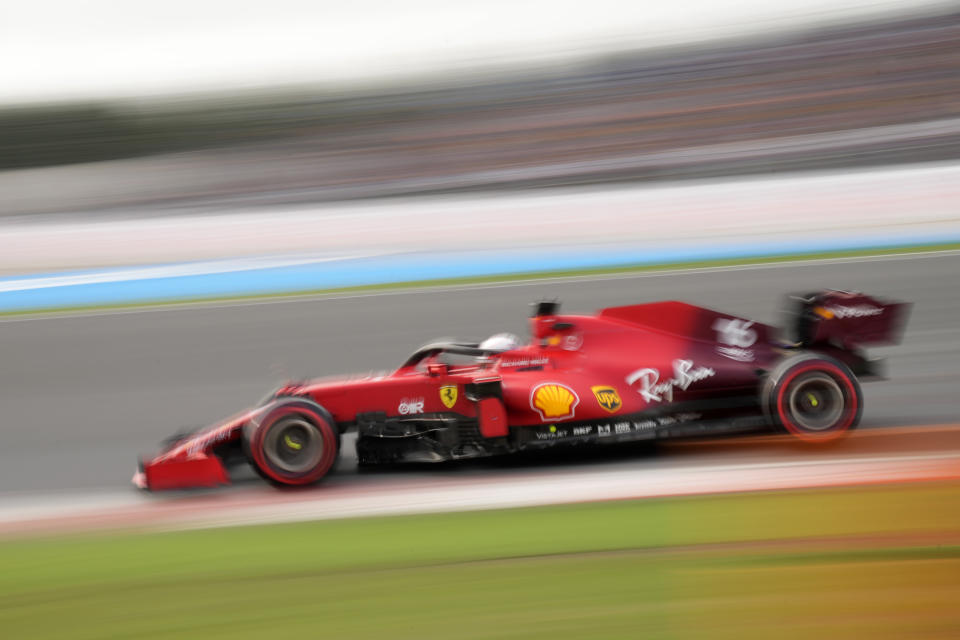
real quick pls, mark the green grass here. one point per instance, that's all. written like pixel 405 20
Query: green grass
pixel 507 278
pixel 827 563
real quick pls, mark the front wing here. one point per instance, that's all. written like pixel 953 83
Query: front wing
pixel 192 461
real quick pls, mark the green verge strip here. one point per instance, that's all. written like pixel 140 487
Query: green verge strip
pixel 496 279
pixel 839 563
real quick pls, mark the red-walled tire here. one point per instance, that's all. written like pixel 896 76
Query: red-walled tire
pixel 295 442
pixel 814 398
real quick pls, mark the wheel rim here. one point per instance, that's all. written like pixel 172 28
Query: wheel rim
pixel 816 402
pixel 293 446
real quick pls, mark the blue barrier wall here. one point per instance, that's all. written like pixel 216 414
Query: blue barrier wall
pixel 259 276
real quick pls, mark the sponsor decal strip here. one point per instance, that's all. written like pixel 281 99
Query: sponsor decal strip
pixel 448 395
pixel 554 401
pixel 410 406
pixel 652 389
pixel 608 398
pixel 735 337
pixel 841 312
pixel 523 362
pixel 640 426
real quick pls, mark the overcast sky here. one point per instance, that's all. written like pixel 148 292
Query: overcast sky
pixel 65 49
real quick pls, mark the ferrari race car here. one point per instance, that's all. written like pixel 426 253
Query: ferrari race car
pixel 638 372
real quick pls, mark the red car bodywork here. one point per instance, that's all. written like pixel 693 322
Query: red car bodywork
pixel 646 371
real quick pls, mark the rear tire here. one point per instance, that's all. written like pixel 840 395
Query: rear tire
pixel 294 442
pixel 813 397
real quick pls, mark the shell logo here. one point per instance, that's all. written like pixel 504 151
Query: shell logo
pixel 553 401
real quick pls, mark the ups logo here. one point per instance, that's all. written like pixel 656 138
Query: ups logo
pixel 607 398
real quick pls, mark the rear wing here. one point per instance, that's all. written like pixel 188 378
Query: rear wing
pixel 845 319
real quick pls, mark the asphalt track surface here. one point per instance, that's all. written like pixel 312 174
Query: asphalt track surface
pixel 83 395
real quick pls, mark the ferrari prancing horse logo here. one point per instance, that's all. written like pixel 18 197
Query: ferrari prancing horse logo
pixel 607 398
pixel 448 395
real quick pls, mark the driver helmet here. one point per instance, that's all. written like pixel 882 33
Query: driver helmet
pixel 501 342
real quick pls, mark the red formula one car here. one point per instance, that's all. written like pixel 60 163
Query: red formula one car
pixel 646 371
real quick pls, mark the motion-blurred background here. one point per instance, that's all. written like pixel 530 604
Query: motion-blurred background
pixel 222 104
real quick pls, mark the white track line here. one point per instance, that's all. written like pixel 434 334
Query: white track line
pixel 206 267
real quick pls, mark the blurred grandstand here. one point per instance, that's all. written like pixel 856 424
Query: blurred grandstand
pixel 865 94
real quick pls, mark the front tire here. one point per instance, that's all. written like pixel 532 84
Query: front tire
pixel 293 443
pixel 814 398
